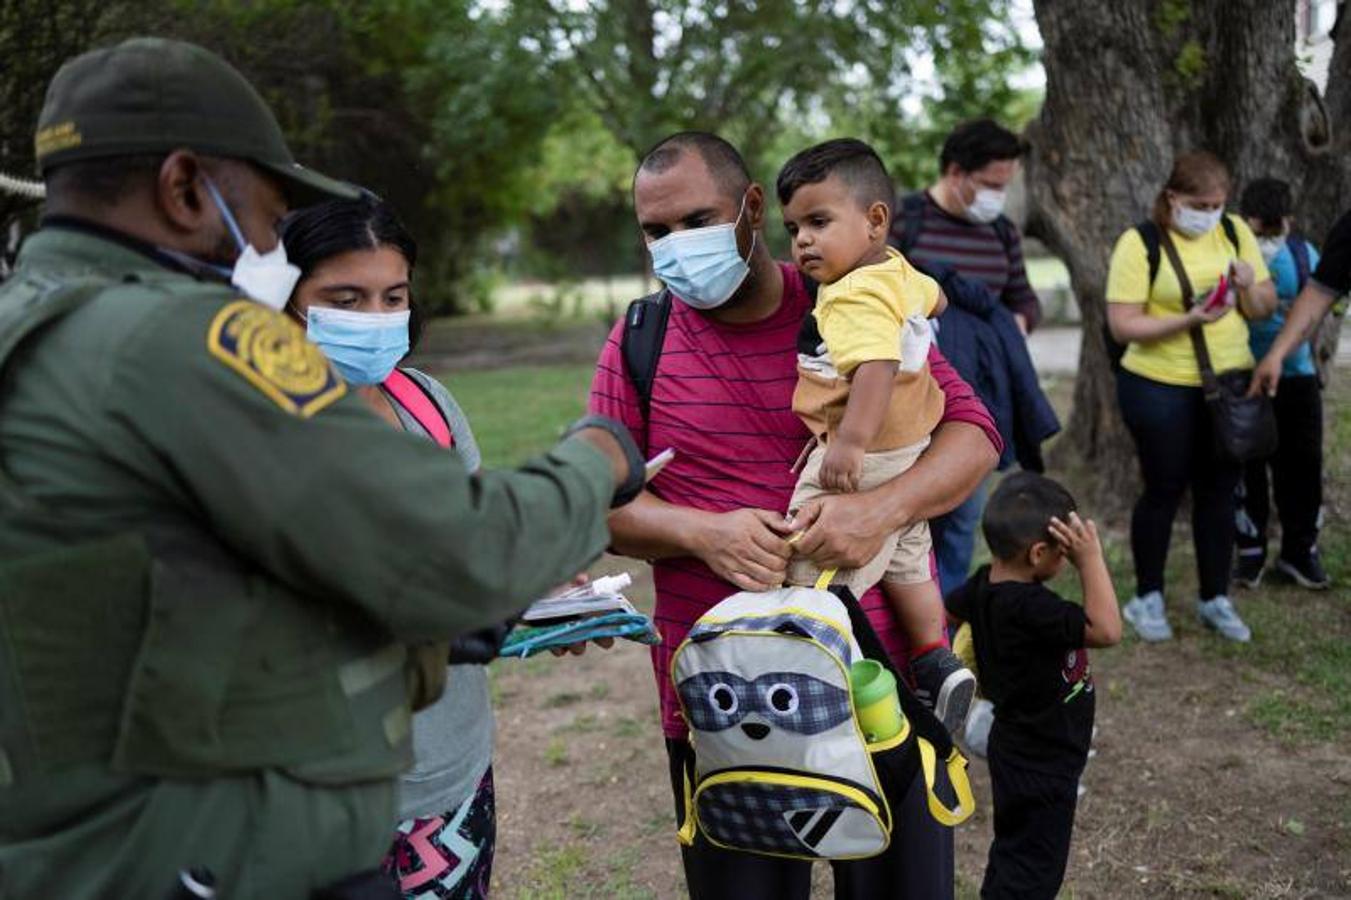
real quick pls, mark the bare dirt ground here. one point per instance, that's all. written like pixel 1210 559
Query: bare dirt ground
pixel 1221 771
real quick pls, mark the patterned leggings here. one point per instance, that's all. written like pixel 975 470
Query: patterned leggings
pixel 447 857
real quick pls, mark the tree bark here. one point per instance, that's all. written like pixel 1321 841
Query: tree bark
pixel 1129 86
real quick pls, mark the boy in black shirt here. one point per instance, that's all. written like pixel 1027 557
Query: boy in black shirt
pixel 1029 645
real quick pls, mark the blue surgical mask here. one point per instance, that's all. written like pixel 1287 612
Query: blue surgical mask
pixel 268 277
pixel 702 266
pixel 364 346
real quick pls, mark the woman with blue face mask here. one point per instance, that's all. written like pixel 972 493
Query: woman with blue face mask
pixel 355 301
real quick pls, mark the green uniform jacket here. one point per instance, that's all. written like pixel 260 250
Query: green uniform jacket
pixel 211 555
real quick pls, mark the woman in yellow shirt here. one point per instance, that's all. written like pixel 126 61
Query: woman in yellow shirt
pixel 1159 386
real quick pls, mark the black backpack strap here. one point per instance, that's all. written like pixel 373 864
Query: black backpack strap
pixel 641 342
pixel 926 724
pixel 1006 231
pixel 912 215
pixel 1299 249
pixel 1149 233
pixel 1230 231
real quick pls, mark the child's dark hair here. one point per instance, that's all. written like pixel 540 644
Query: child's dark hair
pixel 1268 200
pixel 975 144
pixel 318 233
pixel 856 164
pixel 1020 510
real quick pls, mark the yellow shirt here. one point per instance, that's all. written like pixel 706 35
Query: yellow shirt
pixel 861 315
pixel 1172 360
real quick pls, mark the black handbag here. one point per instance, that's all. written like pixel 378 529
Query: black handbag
pixel 1244 427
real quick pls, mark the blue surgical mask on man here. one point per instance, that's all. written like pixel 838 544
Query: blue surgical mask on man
pixel 364 346
pixel 702 266
pixel 268 277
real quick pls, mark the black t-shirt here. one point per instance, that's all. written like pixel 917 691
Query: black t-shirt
pixel 1033 667
pixel 1334 266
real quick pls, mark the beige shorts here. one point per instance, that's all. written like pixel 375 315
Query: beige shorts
pixel 904 557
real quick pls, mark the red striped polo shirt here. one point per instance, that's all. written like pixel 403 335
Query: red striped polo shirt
pixel 722 397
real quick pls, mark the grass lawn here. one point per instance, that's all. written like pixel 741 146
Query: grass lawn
pixel 519 412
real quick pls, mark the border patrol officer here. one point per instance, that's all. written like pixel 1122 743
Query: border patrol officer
pixel 202 640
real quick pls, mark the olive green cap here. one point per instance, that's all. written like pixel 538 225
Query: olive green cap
pixel 148 95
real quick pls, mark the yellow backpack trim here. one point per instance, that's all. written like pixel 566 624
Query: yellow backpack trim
pixel 956 766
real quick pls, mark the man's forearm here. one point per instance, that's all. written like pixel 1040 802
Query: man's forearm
pixel 957 460
pixel 651 528
pixel 1305 313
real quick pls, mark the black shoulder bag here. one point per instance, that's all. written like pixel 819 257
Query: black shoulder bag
pixel 1245 427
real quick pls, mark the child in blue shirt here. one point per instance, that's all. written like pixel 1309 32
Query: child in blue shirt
pixel 1295 473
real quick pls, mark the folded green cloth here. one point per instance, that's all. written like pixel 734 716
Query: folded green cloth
pixel 527 640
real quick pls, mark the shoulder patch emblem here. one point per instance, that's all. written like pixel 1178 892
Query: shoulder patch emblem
pixel 272 354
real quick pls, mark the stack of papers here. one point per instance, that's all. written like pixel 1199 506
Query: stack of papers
pixel 594 610
pixel 590 599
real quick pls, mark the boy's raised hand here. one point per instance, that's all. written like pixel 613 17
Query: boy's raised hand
pixel 1079 537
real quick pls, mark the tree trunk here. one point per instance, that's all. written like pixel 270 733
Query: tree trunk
pixel 1128 87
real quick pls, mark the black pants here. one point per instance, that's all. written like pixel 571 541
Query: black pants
pixel 1033 821
pixel 917 866
pixel 1296 475
pixel 1176 447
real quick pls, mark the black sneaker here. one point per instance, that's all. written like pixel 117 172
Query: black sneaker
pixel 1248 572
pixel 1307 572
pixel 944 685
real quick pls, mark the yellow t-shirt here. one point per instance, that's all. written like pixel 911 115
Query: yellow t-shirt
pixel 861 315
pixel 1172 360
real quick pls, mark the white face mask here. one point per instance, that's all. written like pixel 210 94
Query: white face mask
pixel 1195 222
pixel 1270 247
pixel 987 205
pixel 267 277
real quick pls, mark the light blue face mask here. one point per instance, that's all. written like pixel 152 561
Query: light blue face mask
pixel 364 346
pixel 702 266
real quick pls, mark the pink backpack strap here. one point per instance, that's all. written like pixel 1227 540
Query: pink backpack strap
pixel 413 398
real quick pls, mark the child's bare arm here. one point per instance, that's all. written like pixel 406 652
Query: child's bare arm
pixel 1079 537
pixel 940 306
pixel 864 413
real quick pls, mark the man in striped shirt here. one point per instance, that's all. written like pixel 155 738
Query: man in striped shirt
pixel 958 223
pixel 713 520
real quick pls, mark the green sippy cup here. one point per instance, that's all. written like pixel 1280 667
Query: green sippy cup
pixel 875 700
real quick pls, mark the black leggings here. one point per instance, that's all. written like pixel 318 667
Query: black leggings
pixel 1176 446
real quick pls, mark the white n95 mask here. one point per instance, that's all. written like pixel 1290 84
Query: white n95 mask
pixel 268 277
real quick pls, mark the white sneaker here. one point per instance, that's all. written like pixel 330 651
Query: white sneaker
pixel 978 722
pixel 1219 614
pixel 1147 618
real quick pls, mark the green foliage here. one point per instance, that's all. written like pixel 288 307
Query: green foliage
pixel 1171 15
pixel 477 118
pixel 1190 63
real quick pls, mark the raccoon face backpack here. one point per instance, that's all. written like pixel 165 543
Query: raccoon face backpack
pixel 783 766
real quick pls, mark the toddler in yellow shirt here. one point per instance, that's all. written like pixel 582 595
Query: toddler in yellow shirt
pixel 864 387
